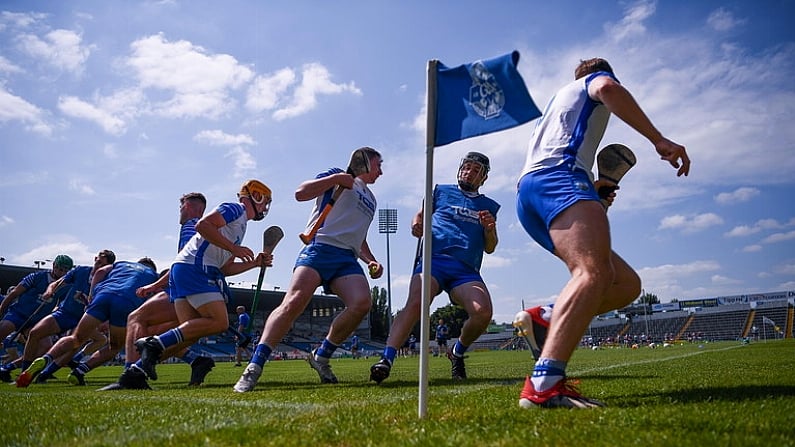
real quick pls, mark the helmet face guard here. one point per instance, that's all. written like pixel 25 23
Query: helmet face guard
pixel 476 158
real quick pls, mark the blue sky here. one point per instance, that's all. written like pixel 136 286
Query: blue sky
pixel 110 110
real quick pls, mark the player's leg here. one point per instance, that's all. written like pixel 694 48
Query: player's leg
pixel 581 238
pixel 475 299
pixel 156 315
pixel 64 347
pixel 302 285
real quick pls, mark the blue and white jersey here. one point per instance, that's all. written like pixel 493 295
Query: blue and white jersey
pixel 201 253
pixel 76 284
pixel 570 129
pixel 242 323
pixel 186 231
pixel 35 285
pixel 456 227
pixel 124 278
pixel 348 221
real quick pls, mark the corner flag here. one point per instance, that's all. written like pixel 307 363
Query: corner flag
pixel 479 98
pixel 768 321
pixel 466 101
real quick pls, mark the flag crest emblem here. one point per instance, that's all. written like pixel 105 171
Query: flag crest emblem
pixel 486 96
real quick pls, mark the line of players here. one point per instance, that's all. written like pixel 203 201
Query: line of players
pixel 558 207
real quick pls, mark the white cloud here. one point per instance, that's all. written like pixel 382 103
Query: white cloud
pixel 200 82
pixel 785 269
pixel 760 225
pixel 81 187
pixel 77 108
pixel 14 108
pixel 60 48
pixel 58 244
pixel 664 280
pixel 267 92
pixel 496 261
pixel 723 20
pixel 739 195
pixel 112 113
pixel 244 161
pixel 779 237
pixel 19 19
pixel 632 22
pixel 315 81
pixel 723 280
pixel 220 138
pixel 5 220
pixel 752 248
pixel 6 66
pixel 690 224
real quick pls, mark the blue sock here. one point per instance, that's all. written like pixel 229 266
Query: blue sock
pixel 326 349
pixel 459 349
pixel 261 354
pixel 50 369
pixel 389 353
pixel 83 368
pixel 190 355
pixel 170 338
pixel 78 357
pixel 547 372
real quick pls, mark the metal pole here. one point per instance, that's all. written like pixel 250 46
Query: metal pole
pixel 388 285
pixel 387 223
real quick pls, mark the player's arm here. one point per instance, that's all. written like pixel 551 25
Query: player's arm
pixel 52 288
pixel 620 102
pixel 97 278
pixel 11 297
pixel 232 267
pixel 489 223
pixel 150 289
pixel 208 227
pixel 374 267
pixel 311 189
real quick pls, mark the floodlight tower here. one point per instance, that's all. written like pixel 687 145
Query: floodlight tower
pixel 387 223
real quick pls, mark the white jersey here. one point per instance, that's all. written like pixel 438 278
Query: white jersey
pixel 198 251
pixel 348 221
pixel 569 130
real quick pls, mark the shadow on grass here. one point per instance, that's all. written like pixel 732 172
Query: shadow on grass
pixel 715 394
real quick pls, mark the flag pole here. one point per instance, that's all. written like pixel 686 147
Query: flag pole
pixel 425 318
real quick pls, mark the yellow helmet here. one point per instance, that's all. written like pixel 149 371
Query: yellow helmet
pixel 252 188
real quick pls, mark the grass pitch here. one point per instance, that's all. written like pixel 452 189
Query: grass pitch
pixel 714 394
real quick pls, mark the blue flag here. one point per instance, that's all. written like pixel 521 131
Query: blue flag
pixel 479 98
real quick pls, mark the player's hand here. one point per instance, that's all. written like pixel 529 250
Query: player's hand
pixel 416 229
pixel 243 253
pixel 612 187
pixel 487 220
pixel 375 269
pixel 675 154
pixel 145 291
pixel 264 259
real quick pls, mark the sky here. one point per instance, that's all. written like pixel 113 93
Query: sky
pixel 111 110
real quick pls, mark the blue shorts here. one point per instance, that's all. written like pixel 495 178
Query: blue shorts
pixel 449 272
pixel 543 195
pixel 66 320
pixel 15 318
pixel 188 279
pixel 329 262
pixel 113 308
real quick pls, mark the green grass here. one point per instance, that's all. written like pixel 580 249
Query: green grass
pixel 719 394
